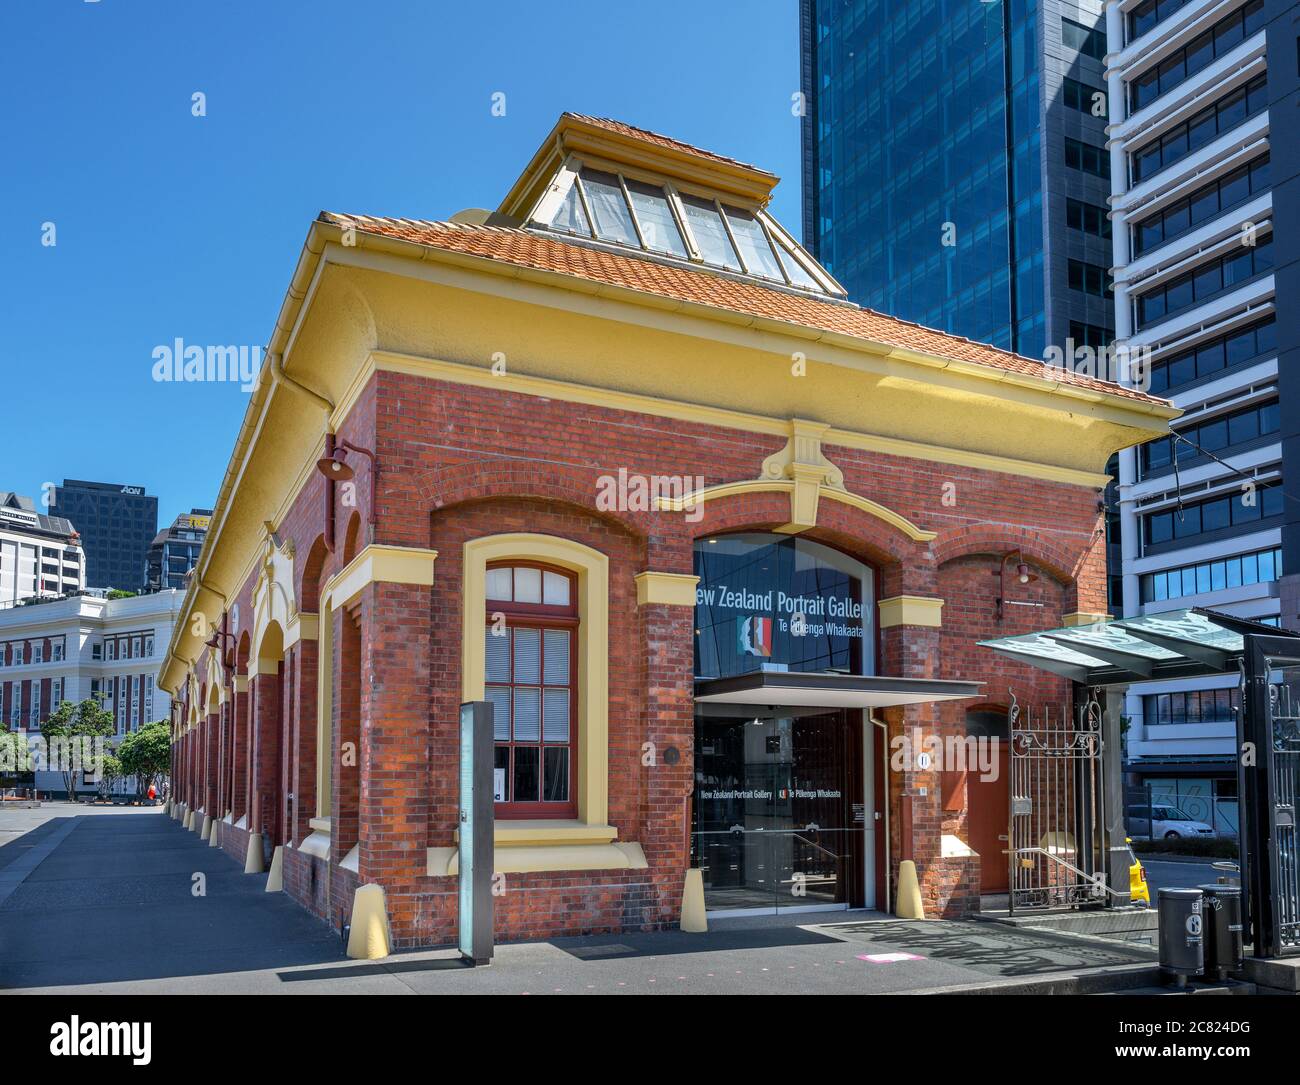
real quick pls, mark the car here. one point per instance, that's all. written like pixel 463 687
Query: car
pixel 1160 821
pixel 1137 878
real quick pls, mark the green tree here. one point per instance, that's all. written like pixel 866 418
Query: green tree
pixel 146 754
pixel 70 723
pixel 110 771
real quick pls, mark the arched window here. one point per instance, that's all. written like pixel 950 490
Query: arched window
pixel 531 659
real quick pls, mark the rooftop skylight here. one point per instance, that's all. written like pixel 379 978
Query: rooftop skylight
pixel 656 217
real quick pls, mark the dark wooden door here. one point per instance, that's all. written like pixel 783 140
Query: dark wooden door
pixel 988 810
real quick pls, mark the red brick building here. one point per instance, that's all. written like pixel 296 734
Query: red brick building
pixel 620 458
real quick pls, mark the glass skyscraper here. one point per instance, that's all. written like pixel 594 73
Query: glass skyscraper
pixel 955 165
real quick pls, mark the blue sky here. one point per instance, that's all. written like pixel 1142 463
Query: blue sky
pixel 169 225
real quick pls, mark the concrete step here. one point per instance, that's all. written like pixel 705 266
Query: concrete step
pixel 1229 987
pixel 1276 977
pixel 1107 921
pixel 1093 981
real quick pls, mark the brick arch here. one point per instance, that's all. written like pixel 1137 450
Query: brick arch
pixel 352 537
pixel 998 539
pixel 904 564
pixel 443 487
pixel 308 588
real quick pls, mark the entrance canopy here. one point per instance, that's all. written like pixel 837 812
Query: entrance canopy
pixel 788 689
pixel 1178 644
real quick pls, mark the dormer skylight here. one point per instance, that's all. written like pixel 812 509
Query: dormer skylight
pixel 658 218
pixel 606 184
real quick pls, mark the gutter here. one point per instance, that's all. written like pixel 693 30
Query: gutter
pixel 271 374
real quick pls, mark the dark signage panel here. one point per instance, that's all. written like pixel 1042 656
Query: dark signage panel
pixel 783 603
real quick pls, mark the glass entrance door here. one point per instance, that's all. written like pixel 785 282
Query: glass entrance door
pixel 777 812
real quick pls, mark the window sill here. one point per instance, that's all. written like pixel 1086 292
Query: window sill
pixel 536 846
pixel 543 832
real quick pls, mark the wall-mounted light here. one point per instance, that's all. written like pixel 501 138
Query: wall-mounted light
pixel 335 467
pixel 1023 575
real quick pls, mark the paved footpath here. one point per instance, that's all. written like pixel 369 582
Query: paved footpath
pixel 99 900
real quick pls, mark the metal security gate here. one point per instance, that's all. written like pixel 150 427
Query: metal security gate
pixel 1057 801
pixel 1270 779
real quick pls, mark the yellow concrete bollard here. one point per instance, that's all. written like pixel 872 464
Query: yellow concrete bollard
pixel 206 831
pixel 370 937
pixel 694 919
pixel 214 837
pixel 275 879
pixel 253 861
pixel 908 905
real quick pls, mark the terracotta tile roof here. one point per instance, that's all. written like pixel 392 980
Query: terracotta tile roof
pixel 524 248
pixel 662 141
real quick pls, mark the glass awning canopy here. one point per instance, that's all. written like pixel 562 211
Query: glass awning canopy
pixel 1177 644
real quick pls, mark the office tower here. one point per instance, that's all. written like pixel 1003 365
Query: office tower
pixel 1204 196
pixel 955 171
pixel 117 524
pixel 175 550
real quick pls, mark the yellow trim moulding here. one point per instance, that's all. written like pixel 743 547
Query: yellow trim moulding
pixel 380 565
pixel 673 589
pixel 592 568
pixel 762 485
pixel 1084 617
pixel 576 849
pixel 572 392
pixel 910 610
pixel 301 627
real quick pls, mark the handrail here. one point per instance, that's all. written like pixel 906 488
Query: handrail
pixel 1097 881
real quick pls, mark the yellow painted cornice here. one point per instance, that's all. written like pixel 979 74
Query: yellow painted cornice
pixel 673 589
pixel 301 627
pixel 378 564
pixel 910 610
pixel 1084 617
pixel 1111 406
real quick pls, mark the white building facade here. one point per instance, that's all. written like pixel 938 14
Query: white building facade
pixel 1192 235
pixel 40 556
pixel 80 648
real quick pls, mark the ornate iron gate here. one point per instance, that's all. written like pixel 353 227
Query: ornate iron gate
pixel 1271 784
pixel 1057 798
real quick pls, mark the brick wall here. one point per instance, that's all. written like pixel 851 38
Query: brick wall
pixel 461 462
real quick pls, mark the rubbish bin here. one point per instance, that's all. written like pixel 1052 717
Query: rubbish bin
pixel 1182 947
pixel 1221 917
